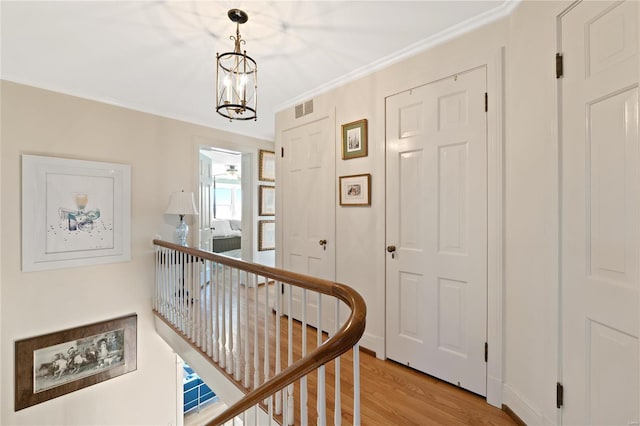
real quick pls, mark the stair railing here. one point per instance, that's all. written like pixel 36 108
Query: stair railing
pixel 247 318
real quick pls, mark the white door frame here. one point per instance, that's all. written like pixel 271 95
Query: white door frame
pixel 495 226
pixel 494 62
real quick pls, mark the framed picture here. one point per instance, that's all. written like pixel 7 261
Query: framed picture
pixel 267 168
pixel 354 139
pixel 266 235
pixel 74 213
pixel 355 190
pixel 56 364
pixel 267 201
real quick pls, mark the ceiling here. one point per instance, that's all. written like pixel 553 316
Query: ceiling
pixel 159 56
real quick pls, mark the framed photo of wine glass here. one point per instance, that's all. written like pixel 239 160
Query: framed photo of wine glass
pixel 74 213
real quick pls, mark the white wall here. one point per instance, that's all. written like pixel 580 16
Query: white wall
pixel 530 349
pixel 360 232
pixel 531 215
pixel 163 156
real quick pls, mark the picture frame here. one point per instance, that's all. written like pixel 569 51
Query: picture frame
pixel 55 364
pixel 267 166
pixel 266 235
pixel 355 190
pixel 74 213
pixel 354 139
pixel 267 200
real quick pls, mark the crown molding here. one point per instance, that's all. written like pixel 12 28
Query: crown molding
pixel 505 9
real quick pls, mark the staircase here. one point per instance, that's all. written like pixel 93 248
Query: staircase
pixel 241 324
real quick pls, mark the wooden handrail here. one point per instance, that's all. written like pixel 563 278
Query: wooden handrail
pixel 343 340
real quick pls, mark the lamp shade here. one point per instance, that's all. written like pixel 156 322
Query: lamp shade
pixel 182 203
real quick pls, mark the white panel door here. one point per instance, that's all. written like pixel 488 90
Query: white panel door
pixel 307 188
pixel 204 199
pixel 437 222
pixel 600 214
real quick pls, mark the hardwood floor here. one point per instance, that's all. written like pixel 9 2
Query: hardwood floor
pixel 391 394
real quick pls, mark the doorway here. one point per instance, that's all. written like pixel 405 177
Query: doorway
pixel 220 194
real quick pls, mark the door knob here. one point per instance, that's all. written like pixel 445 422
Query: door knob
pixel 323 243
pixel 392 250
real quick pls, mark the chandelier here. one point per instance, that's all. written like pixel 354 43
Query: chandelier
pixel 237 78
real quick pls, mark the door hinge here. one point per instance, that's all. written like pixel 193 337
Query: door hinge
pixel 559 395
pixel 559 65
pixel 486 102
pixel 282 152
pixel 486 352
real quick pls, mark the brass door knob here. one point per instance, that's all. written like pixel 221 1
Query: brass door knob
pixel 391 249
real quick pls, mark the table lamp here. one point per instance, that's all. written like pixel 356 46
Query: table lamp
pixel 182 203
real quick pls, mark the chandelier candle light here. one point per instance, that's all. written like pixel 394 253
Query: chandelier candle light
pixel 237 78
pixel 182 203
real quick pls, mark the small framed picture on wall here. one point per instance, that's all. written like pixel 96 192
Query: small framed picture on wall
pixel 354 139
pixel 267 206
pixel 267 166
pixel 266 235
pixel 355 190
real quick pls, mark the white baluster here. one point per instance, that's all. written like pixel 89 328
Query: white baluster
pixel 321 406
pixel 245 311
pixel 277 367
pixel 230 340
pixel 356 385
pixel 202 309
pixel 256 408
pixel 183 291
pixel 208 291
pixel 304 416
pixel 191 299
pixel 180 286
pixel 171 282
pixel 223 319
pixel 256 350
pixel 159 281
pixel 169 299
pixel 266 329
pixel 238 340
pixel 290 405
pixel 216 316
pixel 337 406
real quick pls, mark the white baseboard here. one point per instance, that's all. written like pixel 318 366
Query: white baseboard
pixel 523 408
pixel 374 343
pixel 494 391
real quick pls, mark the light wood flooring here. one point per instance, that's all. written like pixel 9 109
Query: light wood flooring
pixel 391 394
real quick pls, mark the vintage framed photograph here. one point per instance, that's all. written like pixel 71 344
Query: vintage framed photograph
pixel 355 190
pixel 266 235
pixel 56 364
pixel 267 197
pixel 354 139
pixel 267 167
pixel 74 213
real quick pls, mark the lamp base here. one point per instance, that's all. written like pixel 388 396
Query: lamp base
pixel 182 230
